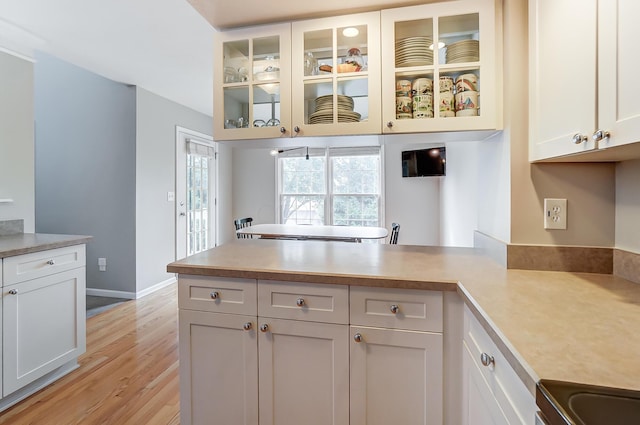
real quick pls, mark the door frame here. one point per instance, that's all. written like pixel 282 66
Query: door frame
pixel 182 134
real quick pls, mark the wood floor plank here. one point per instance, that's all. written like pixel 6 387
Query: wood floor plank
pixel 129 374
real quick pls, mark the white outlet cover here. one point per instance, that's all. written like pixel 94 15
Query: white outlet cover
pixel 555 214
pixel 171 196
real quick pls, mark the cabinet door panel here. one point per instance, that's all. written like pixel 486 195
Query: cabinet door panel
pixel 479 406
pixel 43 326
pixel 396 377
pixel 218 369
pixel 562 76
pixel 304 373
pixel 619 109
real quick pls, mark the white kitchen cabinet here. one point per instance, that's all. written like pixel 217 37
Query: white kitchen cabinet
pixel 339 93
pixel 43 314
pixel 582 66
pixel 218 368
pixel 425 50
pixel 492 394
pixel 396 372
pixel 252 83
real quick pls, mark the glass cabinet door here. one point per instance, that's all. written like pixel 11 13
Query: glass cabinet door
pixel 252 83
pixel 437 59
pixel 336 75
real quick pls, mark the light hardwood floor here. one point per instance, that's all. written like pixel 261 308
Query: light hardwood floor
pixel 129 374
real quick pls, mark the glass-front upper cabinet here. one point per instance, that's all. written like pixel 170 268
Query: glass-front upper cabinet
pixel 252 83
pixel 440 67
pixel 336 75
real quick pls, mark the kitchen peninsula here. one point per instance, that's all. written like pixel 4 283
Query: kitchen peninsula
pixel 575 327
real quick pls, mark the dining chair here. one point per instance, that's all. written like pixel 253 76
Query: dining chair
pixel 395 229
pixel 241 223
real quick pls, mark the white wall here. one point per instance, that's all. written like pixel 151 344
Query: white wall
pixel 254 186
pixel 17 179
pixel 628 206
pixel 225 231
pixel 156 121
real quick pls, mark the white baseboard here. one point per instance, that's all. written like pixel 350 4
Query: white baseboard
pixel 130 295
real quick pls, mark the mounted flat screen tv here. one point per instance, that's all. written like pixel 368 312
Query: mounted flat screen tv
pixel 424 162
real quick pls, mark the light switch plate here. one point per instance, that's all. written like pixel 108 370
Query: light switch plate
pixel 171 196
pixel 555 214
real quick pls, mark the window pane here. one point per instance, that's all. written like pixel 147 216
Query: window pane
pixel 302 209
pixel 356 174
pixel 355 210
pixel 303 176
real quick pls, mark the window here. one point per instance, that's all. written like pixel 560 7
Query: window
pixel 340 186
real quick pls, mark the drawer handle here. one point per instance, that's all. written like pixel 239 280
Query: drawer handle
pixel 247 326
pixel 487 360
pixel 300 302
pixel 357 337
pixel 394 308
pixel 51 262
pixel 215 295
pixel 13 291
pixel 264 328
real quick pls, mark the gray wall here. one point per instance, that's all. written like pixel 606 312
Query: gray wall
pixel 628 206
pixel 85 166
pixel 157 119
pixel 16 140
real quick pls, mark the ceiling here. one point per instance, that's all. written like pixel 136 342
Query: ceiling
pixel 164 47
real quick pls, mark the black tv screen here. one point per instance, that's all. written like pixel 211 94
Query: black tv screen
pixel 424 162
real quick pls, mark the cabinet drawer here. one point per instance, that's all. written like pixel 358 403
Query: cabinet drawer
pixel 396 308
pixel 517 403
pixel 220 295
pixel 300 301
pixel 43 263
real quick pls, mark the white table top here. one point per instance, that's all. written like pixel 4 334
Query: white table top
pixel 297 231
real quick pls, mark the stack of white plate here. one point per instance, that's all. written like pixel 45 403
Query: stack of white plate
pixel 324 110
pixel 414 51
pixel 463 51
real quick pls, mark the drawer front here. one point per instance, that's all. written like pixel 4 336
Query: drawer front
pixel 43 263
pixel 517 403
pixel 216 294
pixel 396 308
pixel 302 301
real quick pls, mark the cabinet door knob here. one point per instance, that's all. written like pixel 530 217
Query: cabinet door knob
pixel 215 295
pixel 300 302
pixel 283 130
pixel 296 129
pixel 600 135
pixel 13 291
pixel 487 360
pixel 357 337
pixel 264 327
pixel 390 124
pixel 394 308
pixel 51 262
pixel 247 326
pixel 579 138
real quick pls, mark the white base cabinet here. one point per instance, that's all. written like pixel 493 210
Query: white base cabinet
pixel 43 318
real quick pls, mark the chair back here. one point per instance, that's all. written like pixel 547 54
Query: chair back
pixel 395 229
pixel 241 223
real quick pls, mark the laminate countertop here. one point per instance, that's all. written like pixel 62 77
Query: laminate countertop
pixel 576 327
pixel 25 243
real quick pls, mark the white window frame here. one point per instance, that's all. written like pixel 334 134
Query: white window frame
pixel 329 195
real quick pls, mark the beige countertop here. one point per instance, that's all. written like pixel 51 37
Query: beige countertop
pixel 576 327
pixel 25 243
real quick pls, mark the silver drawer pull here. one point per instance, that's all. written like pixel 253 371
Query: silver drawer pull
pixel 357 337
pixel 247 326
pixel 264 327
pixel 51 262
pixel 215 295
pixel 394 308
pixel 300 302
pixel 13 291
pixel 487 360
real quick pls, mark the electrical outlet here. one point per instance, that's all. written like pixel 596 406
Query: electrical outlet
pixel 555 214
pixel 102 264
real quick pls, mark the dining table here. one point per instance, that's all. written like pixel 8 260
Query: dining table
pixel 315 232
